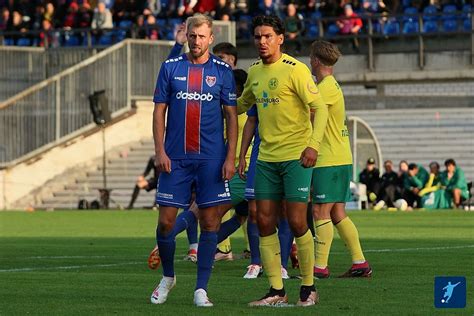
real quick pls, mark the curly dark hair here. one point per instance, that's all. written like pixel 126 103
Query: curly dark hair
pixel 269 20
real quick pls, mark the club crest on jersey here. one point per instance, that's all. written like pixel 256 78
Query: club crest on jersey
pixel 211 81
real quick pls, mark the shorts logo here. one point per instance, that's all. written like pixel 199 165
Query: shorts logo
pixel 303 189
pixel 321 196
pixel 165 195
pixel 232 96
pixel 273 83
pixel 194 96
pixel 211 81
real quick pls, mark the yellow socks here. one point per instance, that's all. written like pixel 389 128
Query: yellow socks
pixel 324 230
pixel 305 246
pixel 349 234
pixel 224 246
pixel 271 260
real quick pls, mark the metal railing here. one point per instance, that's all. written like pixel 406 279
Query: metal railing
pixel 57 109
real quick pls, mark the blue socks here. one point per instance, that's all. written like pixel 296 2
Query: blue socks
pixel 228 228
pixel 286 239
pixel 185 220
pixel 205 258
pixel 254 242
pixel 166 245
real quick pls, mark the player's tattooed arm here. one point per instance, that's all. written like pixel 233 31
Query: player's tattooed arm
pixel 163 163
pixel 228 169
pixel 247 135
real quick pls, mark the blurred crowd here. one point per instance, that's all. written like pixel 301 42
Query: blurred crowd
pixel 413 186
pixel 158 19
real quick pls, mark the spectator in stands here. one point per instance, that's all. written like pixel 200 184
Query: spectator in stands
pixel 414 182
pixel 223 11
pixel 350 24
pixel 186 8
pixel 70 20
pixel 127 10
pixel 373 6
pixel 152 32
pixel 47 38
pixel 84 16
pixel 102 17
pixel 141 33
pixel 37 18
pixel 205 6
pixel 4 18
pixel 145 184
pixel 389 191
pixel 370 176
pixel 102 20
pixel 454 182
pixel 294 26
pixel 16 24
pixel 269 7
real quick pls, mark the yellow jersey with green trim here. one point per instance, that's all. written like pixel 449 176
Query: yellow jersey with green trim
pixel 335 147
pixel 284 92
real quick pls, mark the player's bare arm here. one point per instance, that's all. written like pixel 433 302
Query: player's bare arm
pixel 163 163
pixel 228 169
pixel 247 135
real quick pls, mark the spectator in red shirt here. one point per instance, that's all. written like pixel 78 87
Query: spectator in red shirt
pixel 350 24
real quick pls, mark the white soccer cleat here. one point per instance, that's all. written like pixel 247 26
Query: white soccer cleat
pixel 253 271
pixel 284 274
pixel 160 294
pixel 201 299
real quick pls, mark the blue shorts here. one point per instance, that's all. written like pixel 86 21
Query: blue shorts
pixel 250 187
pixel 175 188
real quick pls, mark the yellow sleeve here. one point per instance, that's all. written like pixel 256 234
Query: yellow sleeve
pixel 247 99
pixel 309 93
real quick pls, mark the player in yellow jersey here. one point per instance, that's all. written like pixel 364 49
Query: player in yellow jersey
pixel 333 171
pixel 284 92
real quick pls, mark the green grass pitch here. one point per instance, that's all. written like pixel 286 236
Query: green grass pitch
pixel 94 263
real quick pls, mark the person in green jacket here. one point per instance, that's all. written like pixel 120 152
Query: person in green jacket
pixel 414 182
pixel 454 181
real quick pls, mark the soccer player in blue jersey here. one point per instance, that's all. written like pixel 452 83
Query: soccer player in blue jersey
pixel 197 90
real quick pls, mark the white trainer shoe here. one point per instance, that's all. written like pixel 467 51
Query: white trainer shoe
pixel 201 299
pixel 284 274
pixel 160 294
pixel 253 271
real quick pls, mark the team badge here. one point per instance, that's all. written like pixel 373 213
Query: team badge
pixel 211 81
pixel 273 83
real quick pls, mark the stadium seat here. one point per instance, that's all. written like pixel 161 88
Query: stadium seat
pixel 333 30
pixel 466 11
pixel 430 27
pixel 23 42
pixel 406 3
pixel 450 23
pixel 105 39
pixel 391 27
pixel 9 42
pixel 125 24
pixel 72 41
pixel 467 25
pixel 410 14
pixel 430 13
pixel 311 24
pixel 410 27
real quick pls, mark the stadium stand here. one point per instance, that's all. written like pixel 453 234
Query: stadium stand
pixel 424 135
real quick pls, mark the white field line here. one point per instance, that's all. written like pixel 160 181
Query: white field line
pixel 73 267
pixel 142 262
pixel 411 249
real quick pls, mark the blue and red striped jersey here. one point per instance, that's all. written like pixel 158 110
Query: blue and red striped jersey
pixel 195 94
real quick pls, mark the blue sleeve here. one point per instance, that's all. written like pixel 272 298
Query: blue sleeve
pixel 175 51
pixel 228 92
pixel 162 88
pixel 252 111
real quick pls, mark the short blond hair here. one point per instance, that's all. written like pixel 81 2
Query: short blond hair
pixel 197 20
pixel 326 52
